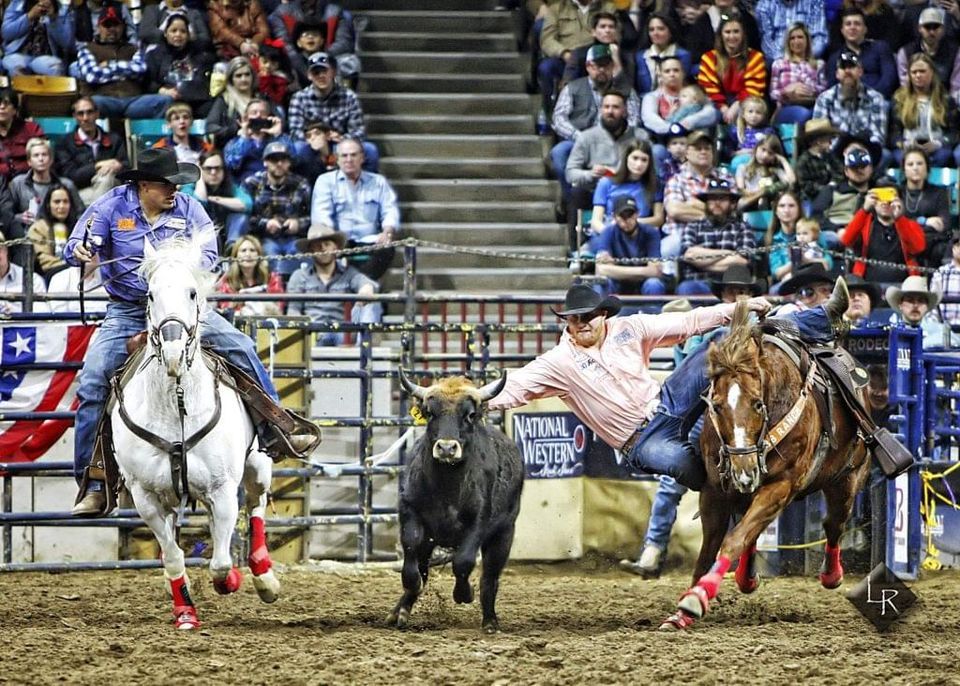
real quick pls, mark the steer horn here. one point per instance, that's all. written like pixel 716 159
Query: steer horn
pixel 418 392
pixel 492 389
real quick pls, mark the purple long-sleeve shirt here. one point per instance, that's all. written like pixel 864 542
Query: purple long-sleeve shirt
pixel 118 227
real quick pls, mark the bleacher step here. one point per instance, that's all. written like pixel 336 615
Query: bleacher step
pixel 461 189
pixel 518 235
pixel 502 211
pixel 419 41
pixel 407 82
pixel 508 280
pixel 464 167
pixel 446 103
pixel 446 62
pixel 445 21
pixel 458 145
pixel 449 123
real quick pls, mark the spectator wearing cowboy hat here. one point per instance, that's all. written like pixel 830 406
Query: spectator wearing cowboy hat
pixel 326 274
pixel 736 281
pixel 626 238
pixel 816 167
pixel 864 299
pixel 715 243
pixel 811 283
pixel 880 231
pixel 915 305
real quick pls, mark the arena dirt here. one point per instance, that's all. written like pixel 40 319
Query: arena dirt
pixel 562 624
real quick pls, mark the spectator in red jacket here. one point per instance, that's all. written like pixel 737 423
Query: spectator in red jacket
pixel 880 231
pixel 14 134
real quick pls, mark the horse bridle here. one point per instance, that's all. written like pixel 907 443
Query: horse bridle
pixel 190 350
pixel 767 439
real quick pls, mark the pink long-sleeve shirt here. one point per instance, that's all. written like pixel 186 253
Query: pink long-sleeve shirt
pixel 608 387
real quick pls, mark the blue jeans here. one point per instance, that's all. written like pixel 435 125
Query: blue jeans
pixel 670 442
pixel 134 107
pixel 109 350
pixel 559 154
pixel 694 287
pixel 663 513
pixel 238 226
pixel 793 114
pixel 47 65
pixel 284 245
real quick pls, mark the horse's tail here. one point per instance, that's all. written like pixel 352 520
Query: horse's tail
pixel 741 316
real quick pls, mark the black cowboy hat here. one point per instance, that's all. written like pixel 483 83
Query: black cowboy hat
pixel 805 275
pixel 718 188
pixel 737 275
pixel 858 283
pixel 160 165
pixel 581 299
pixel 875 150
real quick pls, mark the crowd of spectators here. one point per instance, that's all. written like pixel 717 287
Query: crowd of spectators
pixel 783 134
pixel 282 141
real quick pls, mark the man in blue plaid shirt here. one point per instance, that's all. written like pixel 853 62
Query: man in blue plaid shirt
pixel 336 106
pixel 281 207
pixel 713 244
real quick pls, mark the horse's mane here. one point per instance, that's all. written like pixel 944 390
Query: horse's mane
pixel 735 354
pixel 186 252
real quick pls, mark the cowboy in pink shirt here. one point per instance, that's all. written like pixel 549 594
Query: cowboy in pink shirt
pixel 600 370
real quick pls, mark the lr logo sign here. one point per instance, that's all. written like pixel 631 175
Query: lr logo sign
pixel 882 598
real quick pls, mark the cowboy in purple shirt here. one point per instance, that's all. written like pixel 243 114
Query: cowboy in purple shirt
pixel 114 227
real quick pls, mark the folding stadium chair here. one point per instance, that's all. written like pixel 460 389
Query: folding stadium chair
pixel 44 95
pixel 758 220
pixel 143 133
pixel 949 178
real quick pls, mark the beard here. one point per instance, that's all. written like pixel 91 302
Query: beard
pixel 614 126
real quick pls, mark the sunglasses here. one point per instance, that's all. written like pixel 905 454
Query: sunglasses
pixel 810 291
pixel 212 167
pixel 583 318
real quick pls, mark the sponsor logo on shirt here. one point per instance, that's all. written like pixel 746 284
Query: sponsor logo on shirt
pixel 126 224
pixel 624 337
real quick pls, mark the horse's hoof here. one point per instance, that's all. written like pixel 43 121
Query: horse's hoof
pixel 259 561
pixel 185 619
pixel 268 586
pixel 399 618
pixel 831 581
pixel 229 584
pixel 678 621
pixel 749 584
pixel 694 602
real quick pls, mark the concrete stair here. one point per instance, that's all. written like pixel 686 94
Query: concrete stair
pixel 444 92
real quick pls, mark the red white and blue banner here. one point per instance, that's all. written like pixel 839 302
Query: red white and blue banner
pixel 23 389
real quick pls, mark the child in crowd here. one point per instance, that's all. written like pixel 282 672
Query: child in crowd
pixel 751 126
pixel 273 73
pixel 809 245
pixel 816 167
pixel 765 176
pixel 692 99
pixel 677 149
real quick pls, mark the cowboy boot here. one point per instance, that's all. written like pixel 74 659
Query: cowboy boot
pixel 836 306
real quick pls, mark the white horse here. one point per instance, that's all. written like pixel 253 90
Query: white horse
pixel 218 462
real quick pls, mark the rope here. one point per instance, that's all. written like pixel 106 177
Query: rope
pixel 929 511
pixel 543 259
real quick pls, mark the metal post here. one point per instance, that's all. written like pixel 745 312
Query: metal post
pixel 7 528
pixel 410 282
pixel 28 277
pixel 365 487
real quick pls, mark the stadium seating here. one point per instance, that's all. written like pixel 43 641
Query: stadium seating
pixel 44 95
pixel 143 133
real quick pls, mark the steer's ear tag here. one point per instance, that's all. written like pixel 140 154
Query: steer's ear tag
pixel 417 415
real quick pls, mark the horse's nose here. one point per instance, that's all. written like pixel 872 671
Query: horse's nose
pixel 171 331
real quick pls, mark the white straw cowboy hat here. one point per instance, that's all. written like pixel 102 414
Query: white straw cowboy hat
pixel 913 285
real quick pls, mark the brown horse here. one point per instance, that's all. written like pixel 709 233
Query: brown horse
pixel 764 444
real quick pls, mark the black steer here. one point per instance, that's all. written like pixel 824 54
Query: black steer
pixel 460 490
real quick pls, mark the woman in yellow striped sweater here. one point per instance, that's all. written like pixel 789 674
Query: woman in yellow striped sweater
pixel 732 71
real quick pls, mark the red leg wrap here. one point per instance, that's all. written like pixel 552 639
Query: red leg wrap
pixel 230 584
pixel 259 559
pixel 832 574
pixel 746 579
pixel 184 613
pixel 710 582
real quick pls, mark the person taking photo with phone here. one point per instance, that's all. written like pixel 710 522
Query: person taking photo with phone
pixel 258 128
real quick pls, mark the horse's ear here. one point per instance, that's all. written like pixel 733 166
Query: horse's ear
pixel 148 249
